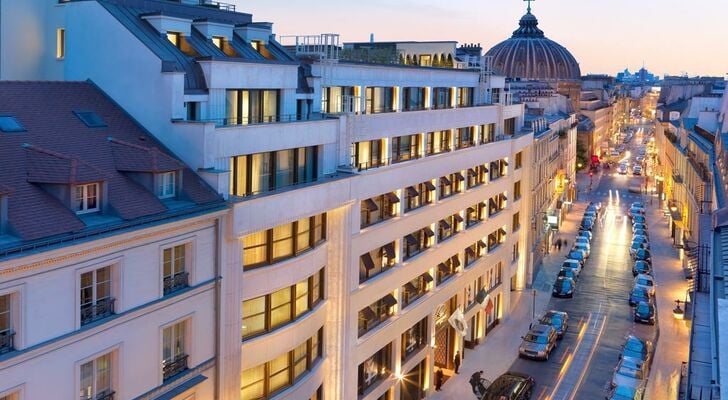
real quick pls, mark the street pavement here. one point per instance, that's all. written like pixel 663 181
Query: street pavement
pixel 600 316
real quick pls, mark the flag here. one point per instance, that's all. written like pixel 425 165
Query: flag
pixel 457 321
pixel 489 305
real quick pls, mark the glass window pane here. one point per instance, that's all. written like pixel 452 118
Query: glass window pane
pixel 255 248
pixel 231 107
pixel 299 360
pixel 279 372
pixel 167 263
pixel 253 316
pixel 270 105
pixel 167 344
pixel 301 297
pixel 253 383
pixel 103 373
pixel 280 307
pixel 282 241
pixel 261 170
pixel 315 347
pixel 87 380
pixel 284 168
pixel 303 234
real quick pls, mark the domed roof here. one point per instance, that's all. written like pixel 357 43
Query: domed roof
pixel 528 54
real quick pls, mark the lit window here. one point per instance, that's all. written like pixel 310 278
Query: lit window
pixel 96 378
pixel 166 185
pixel 9 123
pixel 218 41
pixel 174 357
pixel 60 43
pixel 87 198
pixel 174 37
pixel 255 44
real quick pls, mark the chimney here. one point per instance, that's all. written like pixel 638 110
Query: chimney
pixel 371 38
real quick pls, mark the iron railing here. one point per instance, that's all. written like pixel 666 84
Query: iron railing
pixel 174 367
pixel 177 282
pixel 263 119
pixel 101 309
pixel 6 341
pixel 105 395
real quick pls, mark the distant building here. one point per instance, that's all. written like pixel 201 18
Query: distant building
pixel 641 77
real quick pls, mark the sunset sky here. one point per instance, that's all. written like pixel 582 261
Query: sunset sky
pixel 670 36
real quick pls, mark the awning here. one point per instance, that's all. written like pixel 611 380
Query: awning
pixel 470 252
pixel 367 260
pixel 504 162
pixel 442 267
pixel 481 243
pixel 411 240
pixel 409 287
pixel 429 185
pixel 428 232
pixel 444 224
pixel 412 192
pixel 484 168
pixel 370 205
pixel 445 181
pixel 392 198
pixel 368 314
pixel 427 277
pixel 472 172
pixel 389 250
pixel 389 300
pixel 456 261
pixel 459 176
pixel 458 217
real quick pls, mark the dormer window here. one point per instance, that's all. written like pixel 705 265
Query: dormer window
pixel 222 43
pixel 165 187
pixel 178 40
pixel 87 198
pixel 218 41
pixel 175 38
pixel 9 124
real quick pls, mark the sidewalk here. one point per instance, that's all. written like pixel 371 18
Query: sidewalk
pixel 499 349
pixel 674 339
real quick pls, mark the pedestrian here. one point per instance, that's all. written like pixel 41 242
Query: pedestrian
pixel 438 380
pixel 565 244
pixel 558 243
pixel 476 381
pixel 456 361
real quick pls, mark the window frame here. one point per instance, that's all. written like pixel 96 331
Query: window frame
pixel 314 241
pixel 60 43
pixel 164 181
pixel 425 196
pixel 84 208
pixel 185 321
pixel 111 374
pixel 113 283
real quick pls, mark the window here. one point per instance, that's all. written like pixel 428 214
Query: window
pixel 497 204
pixel 413 99
pixel 498 169
pixel 375 262
pixel 487 133
pixel 166 184
pixel 374 369
pixel 9 124
pixel 449 226
pixel 267 313
pixel 474 214
pixel 516 221
pixel 338 99
pixel 379 100
pixel 417 242
pixel 516 252
pixel 447 269
pixel 509 126
pixel 90 119
pixel 476 176
pixel 266 380
pixel 369 154
pixel 174 271
pixel 282 242
pixel 474 252
pixel 60 43
pixel 519 160
pixel 378 209
pixel 96 379
pixel 376 313
pixel 262 172
pixel 414 339
pixel 465 96
pixel 174 38
pixel 252 106
pixel 6 329
pixel 419 195
pixel 517 191
pixel 95 295
pixel 438 142
pixel 441 97
pixel 87 198
pixel 416 288
pixel 261 48
pixel 451 184
pixel 464 137
pixel 405 148
pixel 496 238
pixel 174 356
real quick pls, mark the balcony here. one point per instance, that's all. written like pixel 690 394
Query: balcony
pixel 94 312
pixel 174 367
pixel 175 283
pixel 6 341
pixel 105 395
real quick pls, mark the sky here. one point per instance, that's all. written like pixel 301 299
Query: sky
pixel 669 36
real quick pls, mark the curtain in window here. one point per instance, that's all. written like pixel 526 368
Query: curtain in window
pixel 280 303
pixel 279 376
pixel 254 313
pixel 284 168
pixel 261 170
pixel 253 383
pixel 282 241
pixel 255 248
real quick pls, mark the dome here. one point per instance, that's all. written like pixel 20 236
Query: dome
pixel 528 54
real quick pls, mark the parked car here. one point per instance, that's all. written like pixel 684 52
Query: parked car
pixel 641 267
pixel 538 343
pixel 586 234
pixel 629 372
pixel 511 386
pixel 638 294
pixel 626 393
pixel 643 254
pixel 640 158
pixel 590 214
pixel 568 273
pixel 638 349
pixel 635 211
pixel 582 239
pixel 558 319
pixel 587 224
pixel 577 255
pixel 646 282
pixel 640 232
pixel 638 225
pixel 563 287
pixel 640 238
pixel 639 219
pixel 636 245
pixel 585 247
pixel 637 170
pixel 573 265
pixel 638 205
pixel 644 313
pixel 622 170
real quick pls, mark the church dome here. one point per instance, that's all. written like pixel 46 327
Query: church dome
pixel 528 54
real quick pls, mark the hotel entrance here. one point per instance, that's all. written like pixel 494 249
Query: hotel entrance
pixel 444 335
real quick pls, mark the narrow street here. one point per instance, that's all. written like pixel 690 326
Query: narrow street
pixel 599 314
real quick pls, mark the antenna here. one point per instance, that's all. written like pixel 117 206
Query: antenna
pixel 529 5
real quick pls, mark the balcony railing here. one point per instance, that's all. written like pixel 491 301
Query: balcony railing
pixel 262 120
pixel 105 395
pixel 94 312
pixel 174 367
pixel 177 282
pixel 6 342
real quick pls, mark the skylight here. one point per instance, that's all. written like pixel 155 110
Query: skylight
pixel 90 118
pixel 8 123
